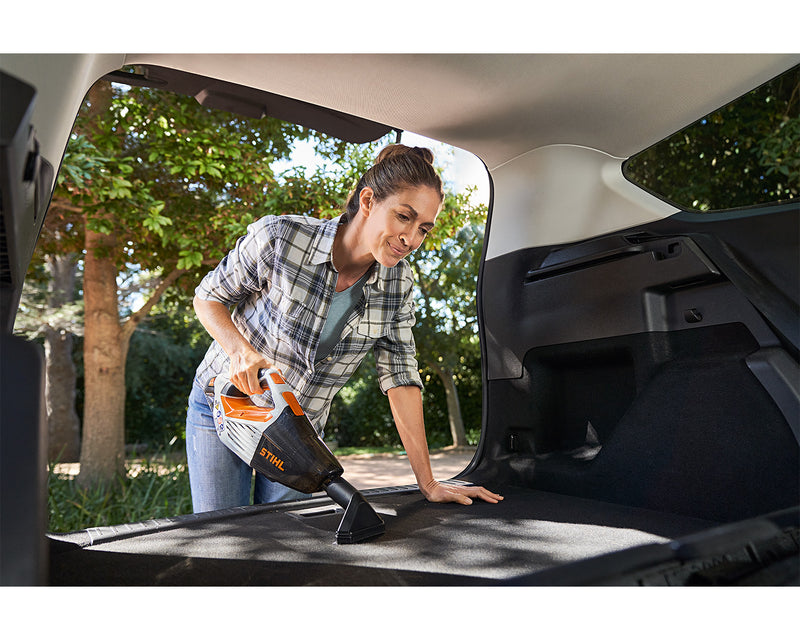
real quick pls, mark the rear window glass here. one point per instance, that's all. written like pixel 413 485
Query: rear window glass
pixel 745 154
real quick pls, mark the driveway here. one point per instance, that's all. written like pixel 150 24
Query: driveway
pixel 374 470
pixel 391 470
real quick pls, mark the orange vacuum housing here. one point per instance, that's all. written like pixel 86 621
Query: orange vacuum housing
pixel 281 443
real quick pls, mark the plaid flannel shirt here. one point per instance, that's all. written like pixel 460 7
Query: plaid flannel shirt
pixel 279 280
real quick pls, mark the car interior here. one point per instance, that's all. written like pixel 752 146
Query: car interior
pixel 641 386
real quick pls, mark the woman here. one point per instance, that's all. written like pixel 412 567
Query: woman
pixel 312 297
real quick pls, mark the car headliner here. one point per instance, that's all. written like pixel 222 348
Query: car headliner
pixel 497 106
pixel 501 106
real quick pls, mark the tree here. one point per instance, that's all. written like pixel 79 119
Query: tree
pixel 745 153
pixel 49 312
pixel 446 268
pixel 168 187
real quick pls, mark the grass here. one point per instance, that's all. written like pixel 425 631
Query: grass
pixel 153 488
pixel 357 451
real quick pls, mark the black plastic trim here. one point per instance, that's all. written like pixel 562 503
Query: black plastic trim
pixel 253 103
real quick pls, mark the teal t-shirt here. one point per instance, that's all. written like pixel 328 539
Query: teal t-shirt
pixel 342 306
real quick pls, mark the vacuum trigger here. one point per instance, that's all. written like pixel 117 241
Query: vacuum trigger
pixel 274 374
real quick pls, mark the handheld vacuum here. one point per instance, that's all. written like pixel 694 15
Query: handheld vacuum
pixel 280 442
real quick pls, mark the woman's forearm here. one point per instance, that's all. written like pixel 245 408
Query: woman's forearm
pixel 245 360
pixel 216 318
pixel 406 406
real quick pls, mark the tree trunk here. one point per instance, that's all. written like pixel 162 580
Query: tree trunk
pixel 103 442
pixel 453 406
pixel 105 351
pixel 62 419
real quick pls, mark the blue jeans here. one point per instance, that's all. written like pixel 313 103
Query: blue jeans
pixel 219 479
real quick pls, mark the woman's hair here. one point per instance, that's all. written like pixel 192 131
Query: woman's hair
pixel 397 167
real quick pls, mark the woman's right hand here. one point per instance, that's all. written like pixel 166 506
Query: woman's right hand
pixel 245 365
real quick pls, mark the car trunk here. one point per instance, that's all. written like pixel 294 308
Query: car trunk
pixel 651 367
pixel 532 538
pixel 424 543
pixel 640 418
pixel 642 434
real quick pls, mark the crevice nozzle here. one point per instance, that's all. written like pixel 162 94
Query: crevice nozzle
pixel 359 522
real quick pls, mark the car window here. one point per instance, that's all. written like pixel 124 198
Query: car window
pixel 746 153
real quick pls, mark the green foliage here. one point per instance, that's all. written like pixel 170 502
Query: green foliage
pixel 162 359
pixel 360 451
pixel 177 183
pixel 36 312
pixel 360 414
pixel 744 154
pixel 780 152
pixel 447 280
pixel 447 275
pixel 468 383
pixel 163 355
pixel 467 374
pixel 154 488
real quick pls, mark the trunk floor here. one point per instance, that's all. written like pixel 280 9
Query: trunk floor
pixel 424 543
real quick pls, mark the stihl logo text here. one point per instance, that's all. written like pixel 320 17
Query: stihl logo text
pixel 271 457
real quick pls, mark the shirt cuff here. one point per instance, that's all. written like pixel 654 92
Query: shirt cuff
pixel 400 379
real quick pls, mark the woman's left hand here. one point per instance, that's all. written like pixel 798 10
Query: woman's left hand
pixel 435 491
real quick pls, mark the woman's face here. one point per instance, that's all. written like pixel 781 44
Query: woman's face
pixel 399 224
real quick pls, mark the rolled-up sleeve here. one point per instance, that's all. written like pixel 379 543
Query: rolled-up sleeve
pixel 244 270
pixel 395 352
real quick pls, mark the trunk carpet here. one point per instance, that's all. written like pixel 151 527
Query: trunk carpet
pixel 424 543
